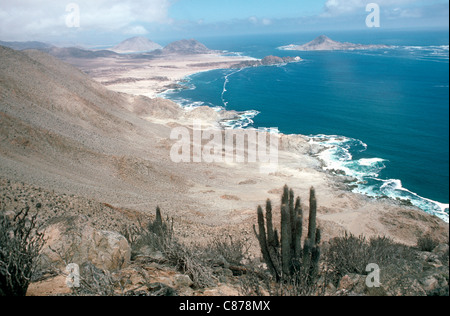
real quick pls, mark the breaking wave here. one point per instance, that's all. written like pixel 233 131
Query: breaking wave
pixel 336 154
pixel 243 119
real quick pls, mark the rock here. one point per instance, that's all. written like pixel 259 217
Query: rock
pixel 111 250
pixel 95 281
pixel 73 240
pixel 160 289
pixel 49 287
pixel 376 291
pixel 441 249
pixel 330 290
pixel 182 280
pixel 132 277
pixel 352 283
pixel 355 284
pixel 429 283
pixel 221 290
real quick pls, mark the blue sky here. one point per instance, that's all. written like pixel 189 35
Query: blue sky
pixel 105 22
pixel 216 11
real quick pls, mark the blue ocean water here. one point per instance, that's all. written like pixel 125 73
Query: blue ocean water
pixel 383 114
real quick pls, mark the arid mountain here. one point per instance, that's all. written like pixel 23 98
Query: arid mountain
pixel 74 52
pixel 136 45
pixel 186 47
pixel 61 130
pixel 324 43
pixel 26 45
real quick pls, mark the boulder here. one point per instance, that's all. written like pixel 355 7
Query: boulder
pixel 73 240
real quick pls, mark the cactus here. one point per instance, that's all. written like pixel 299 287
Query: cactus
pixel 286 256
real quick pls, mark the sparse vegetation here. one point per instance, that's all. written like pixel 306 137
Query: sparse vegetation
pixel 300 268
pixel 196 261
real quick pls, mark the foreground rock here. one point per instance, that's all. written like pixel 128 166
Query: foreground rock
pixel 73 240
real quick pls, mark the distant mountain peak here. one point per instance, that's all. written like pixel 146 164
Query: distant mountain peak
pixel 136 44
pixel 186 46
pixel 322 39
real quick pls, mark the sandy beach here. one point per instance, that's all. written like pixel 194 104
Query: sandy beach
pixel 149 77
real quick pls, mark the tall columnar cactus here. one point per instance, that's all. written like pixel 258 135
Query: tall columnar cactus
pixel 286 256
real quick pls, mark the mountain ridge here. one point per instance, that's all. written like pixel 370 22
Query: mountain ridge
pixel 138 44
pixel 186 46
pixel 324 43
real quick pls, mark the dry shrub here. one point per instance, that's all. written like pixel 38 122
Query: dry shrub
pixel 20 245
pixel 158 235
pixel 351 255
pixel 427 243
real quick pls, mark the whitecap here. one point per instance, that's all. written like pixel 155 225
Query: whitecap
pixel 336 156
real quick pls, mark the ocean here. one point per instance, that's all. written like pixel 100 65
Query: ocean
pixel 383 114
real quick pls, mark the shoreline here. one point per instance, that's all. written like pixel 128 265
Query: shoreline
pixel 426 205
pixel 152 77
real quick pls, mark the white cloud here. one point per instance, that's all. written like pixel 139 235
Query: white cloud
pixel 253 20
pixel 264 21
pixel 21 18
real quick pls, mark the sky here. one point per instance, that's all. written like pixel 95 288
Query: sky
pixel 104 22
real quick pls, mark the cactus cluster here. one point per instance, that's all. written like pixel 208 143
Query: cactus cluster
pixel 284 255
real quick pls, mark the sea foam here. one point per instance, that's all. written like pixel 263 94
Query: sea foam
pixel 336 155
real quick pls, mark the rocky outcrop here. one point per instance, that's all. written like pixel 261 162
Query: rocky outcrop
pixel 73 240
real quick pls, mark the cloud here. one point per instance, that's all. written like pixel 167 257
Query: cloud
pixel 342 7
pixel 264 21
pixel 19 18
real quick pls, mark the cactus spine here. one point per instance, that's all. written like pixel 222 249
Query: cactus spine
pixel 286 256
